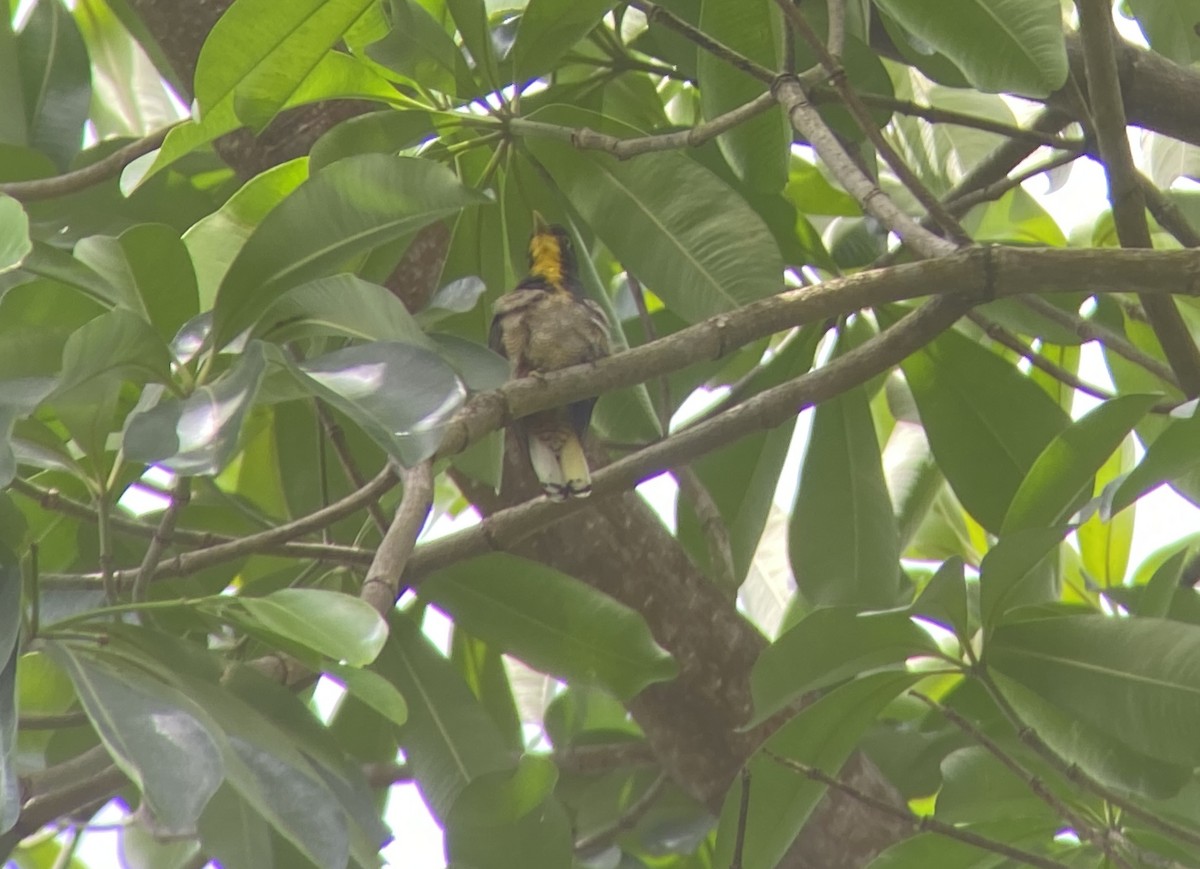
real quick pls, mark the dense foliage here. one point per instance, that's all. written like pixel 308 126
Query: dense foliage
pixel 243 360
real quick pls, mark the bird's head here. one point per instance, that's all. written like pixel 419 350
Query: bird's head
pixel 551 255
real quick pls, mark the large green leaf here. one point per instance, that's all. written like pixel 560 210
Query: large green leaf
pixel 10 630
pixel 933 849
pixel 702 254
pixel 829 646
pixel 1172 455
pixel 400 395
pixel 336 625
pixel 1094 750
pixel 510 820
pixel 843 542
pixel 214 241
pixel 148 263
pixel 14 233
pixel 1015 571
pixel 258 53
pixel 341 305
pixel 1012 46
pixel 118 344
pixel 552 621
pixel 1137 679
pixel 155 734
pixel 198 434
pixel 987 423
pixel 741 477
pixel 756 149
pixel 1105 541
pixel 1061 477
pixel 233 832
pixel 1170 27
pixel 419 48
pixel 823 735
pixel 548 30
pixel 57 82
pixel 449 740
pixel 349 208
pixel 18 398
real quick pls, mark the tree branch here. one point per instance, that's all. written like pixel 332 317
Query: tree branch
pixel 80 179
pixel 1124 191
pixel 383 584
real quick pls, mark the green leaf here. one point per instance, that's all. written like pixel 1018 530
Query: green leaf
pixel 703 254
pixel 18 398
pixel 214 241
pixel 419 48
pixel 400 395
pixel 10 631
pixel 1099 754
pixel 823 735
pixel 548 30
pixel 149 264
pixel 383 132
pixel 1137 679
pixel 553 622
pixel 336 625
pixel 932 849
pixel 741 477
pixel 14 234
pixel 57 82
pixel 510 820
pixel 829 646
pixel 260 52
pixel 349 208
pixel 197 434
pixel 1014 571
pixel 1159 592
pixel 340 305
pixel 757 149
pixel 1170 27
pixel 1172 455
pixel 1061 477
pixel 944 599
pixel 155 734
pixel 1013 46
pixel 987 423
pixel 233 832
pixel 1104 544
pixel 977 786
pixel 471 17
pixel 118 345
pixel 449 739
pixel 843 542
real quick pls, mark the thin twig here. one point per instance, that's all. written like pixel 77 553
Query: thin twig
pixel 1088 330
pixel 55 501
pixel 923 824
pixel 180 496
pixel 1002 336
pixel 384 580
pixel 656 14
pixel 337 437
pixel 862 117
pixel 1098 35
pixel 808 122
pixel 80 179
pixel 692 137
pixel 739 841
pixel 1169 216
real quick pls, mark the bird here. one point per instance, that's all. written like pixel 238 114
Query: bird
pixel 543 324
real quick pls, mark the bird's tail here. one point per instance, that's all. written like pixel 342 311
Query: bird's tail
pixel 559 463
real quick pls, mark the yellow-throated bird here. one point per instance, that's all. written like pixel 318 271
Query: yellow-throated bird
pixel 543 324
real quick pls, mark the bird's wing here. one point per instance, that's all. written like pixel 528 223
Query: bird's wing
pixel 510 303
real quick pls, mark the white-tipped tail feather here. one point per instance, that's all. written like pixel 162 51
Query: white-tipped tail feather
pixel 559 464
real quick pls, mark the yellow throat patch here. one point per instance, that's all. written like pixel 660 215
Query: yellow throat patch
pixel 546 259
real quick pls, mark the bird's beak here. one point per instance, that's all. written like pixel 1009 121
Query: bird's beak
pixel 539 223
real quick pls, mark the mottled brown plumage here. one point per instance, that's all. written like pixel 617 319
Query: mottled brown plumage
pixel 545 323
